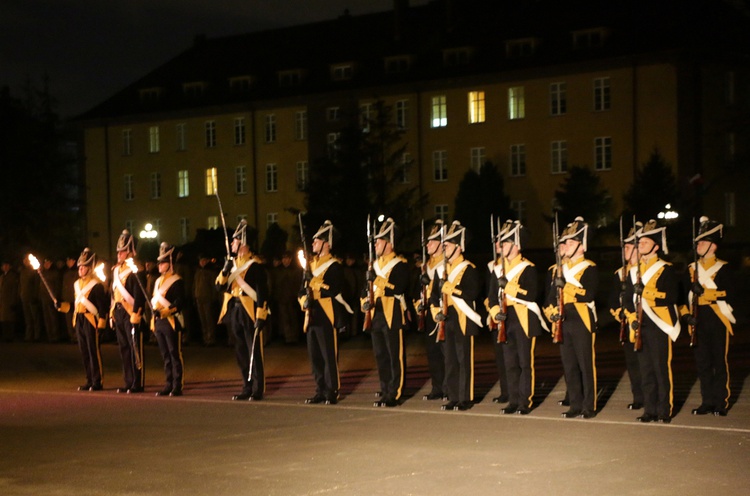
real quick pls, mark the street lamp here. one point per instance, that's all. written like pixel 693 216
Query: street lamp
pixel 148 232
pixel 668 213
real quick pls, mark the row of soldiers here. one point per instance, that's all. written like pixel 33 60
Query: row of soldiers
pixel 447 298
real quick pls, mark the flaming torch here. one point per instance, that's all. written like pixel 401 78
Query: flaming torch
pixel 99 271
pixel 37 267
pixel 302 259
pixel 134 269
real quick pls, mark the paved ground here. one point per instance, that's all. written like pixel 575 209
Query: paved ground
pixel 57 441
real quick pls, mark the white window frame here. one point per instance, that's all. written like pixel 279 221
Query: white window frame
pixel 559 157
pixel 272 178
pixel 183 183
pixel 269 128
pixel 518 160
pixel 155 185
pixel 438 111
pixel 240 180
pixel 239 131
pixel 127 142
pixel 300 125
pixel 302 175
pixel 602 94
pixel 476 107
pixel 210 128
pixel 477 158
pixel 153 139
pixel 516 103
pixel 603 153
pixel 558 98
pixel 129 187
pixel 440 166
pixel 402 114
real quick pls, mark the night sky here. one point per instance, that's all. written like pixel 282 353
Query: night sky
pixel 93 48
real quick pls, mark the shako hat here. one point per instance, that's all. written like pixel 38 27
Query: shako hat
pixel 577 230
pixel 513 231
pixel 709 230
pixel 456 234
pixel 165 252
pixel 634 231
pixel 327 233
pixel 389 231
pixel 241 232
pixel 126 242
pixel 87 257
pixel 658 234
pixel 435 230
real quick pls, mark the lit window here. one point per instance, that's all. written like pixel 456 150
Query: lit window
pixel 516 103
pixel 212 222
pixel 476 107
pixel 183 184
pixel 439 112
pixel 601 94
pixel 212 182
pixel 558 98
pixel 518 160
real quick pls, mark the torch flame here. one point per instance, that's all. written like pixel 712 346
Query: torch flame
pixel 302 260
pixel 131 265
pixel 99 271
pixel 34 262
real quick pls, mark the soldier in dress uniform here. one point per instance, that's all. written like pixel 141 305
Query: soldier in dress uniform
pixel 167 323
pixel 89 318
pixel 617 308
pixel 652 295
pixel 579 281
pixel 433 271
pixel 126 312
pixel 245 310
pixel 390 281
pixel 713 289
pixel 517 278
pixel 323 303
pixel 460 287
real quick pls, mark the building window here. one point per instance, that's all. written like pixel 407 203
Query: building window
pixel 300 125
pixel 524 47
pixel 270 128
pixel 559 157
pixel 365 117
pixel 589 38
pixel 441 212
pixel 603 153
pixel 153 139
pixel 183 184
pixel 601 94
pixel 272 178
pixel 240 180
pixel 516 103
pixel 333 114
pixel 210 134
pixel 477 159
pixel 439 112
pixel 454 57
pixel 518 160
pixel 181 135
pixel 519 207
pixel 730 209
pixel 402 114
pixel 405 168
pixel 155 185
pixel 184 230
pixel 239 131
pixel 440 165
pixel 241 84
pixel 397 64
pixel 212 222
pixel 130 225
pixel 290 78
pixel 332 141
pixel 127 144
pixel 476 107
pixel 129 187
pixel 342 72
pixel 558 98
pixel 303 175
pixel 271 219
pixel 212 181
pixel 195 89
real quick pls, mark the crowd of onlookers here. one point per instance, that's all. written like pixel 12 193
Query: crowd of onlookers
pixel 27 310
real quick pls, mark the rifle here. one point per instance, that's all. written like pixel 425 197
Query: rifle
pixel 308 269
pixel 694 309
pixel 493 324
pixel 423 288
pixel 638 340
pixel 443 297
pixel 223 222
pixel 557 334
pixel 624 331
pixel 370 292
pixel 501 334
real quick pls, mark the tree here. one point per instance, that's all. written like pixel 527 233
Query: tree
pixel 40 208
pixel 581 194
pixel 365 173
pixel 274 243
pixel 480 196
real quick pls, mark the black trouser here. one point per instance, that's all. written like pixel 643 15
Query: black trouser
pixel 655 360
pixel 502 376
pixel 519 366
pixel 88 343
pixel 388 346
pixel 459 363
pixel 634 372
pixel 579 364
pixel 711 348
pixel 170 346
pixel 242 328
pixel 130 344
pixel 435 357
pixel 322 345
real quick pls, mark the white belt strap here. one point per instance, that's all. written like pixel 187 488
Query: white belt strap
pixel 159 301
pixel 120 287
pixel 82 297
pixel 706 279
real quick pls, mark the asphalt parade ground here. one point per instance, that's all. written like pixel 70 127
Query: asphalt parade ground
pixel 57 441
